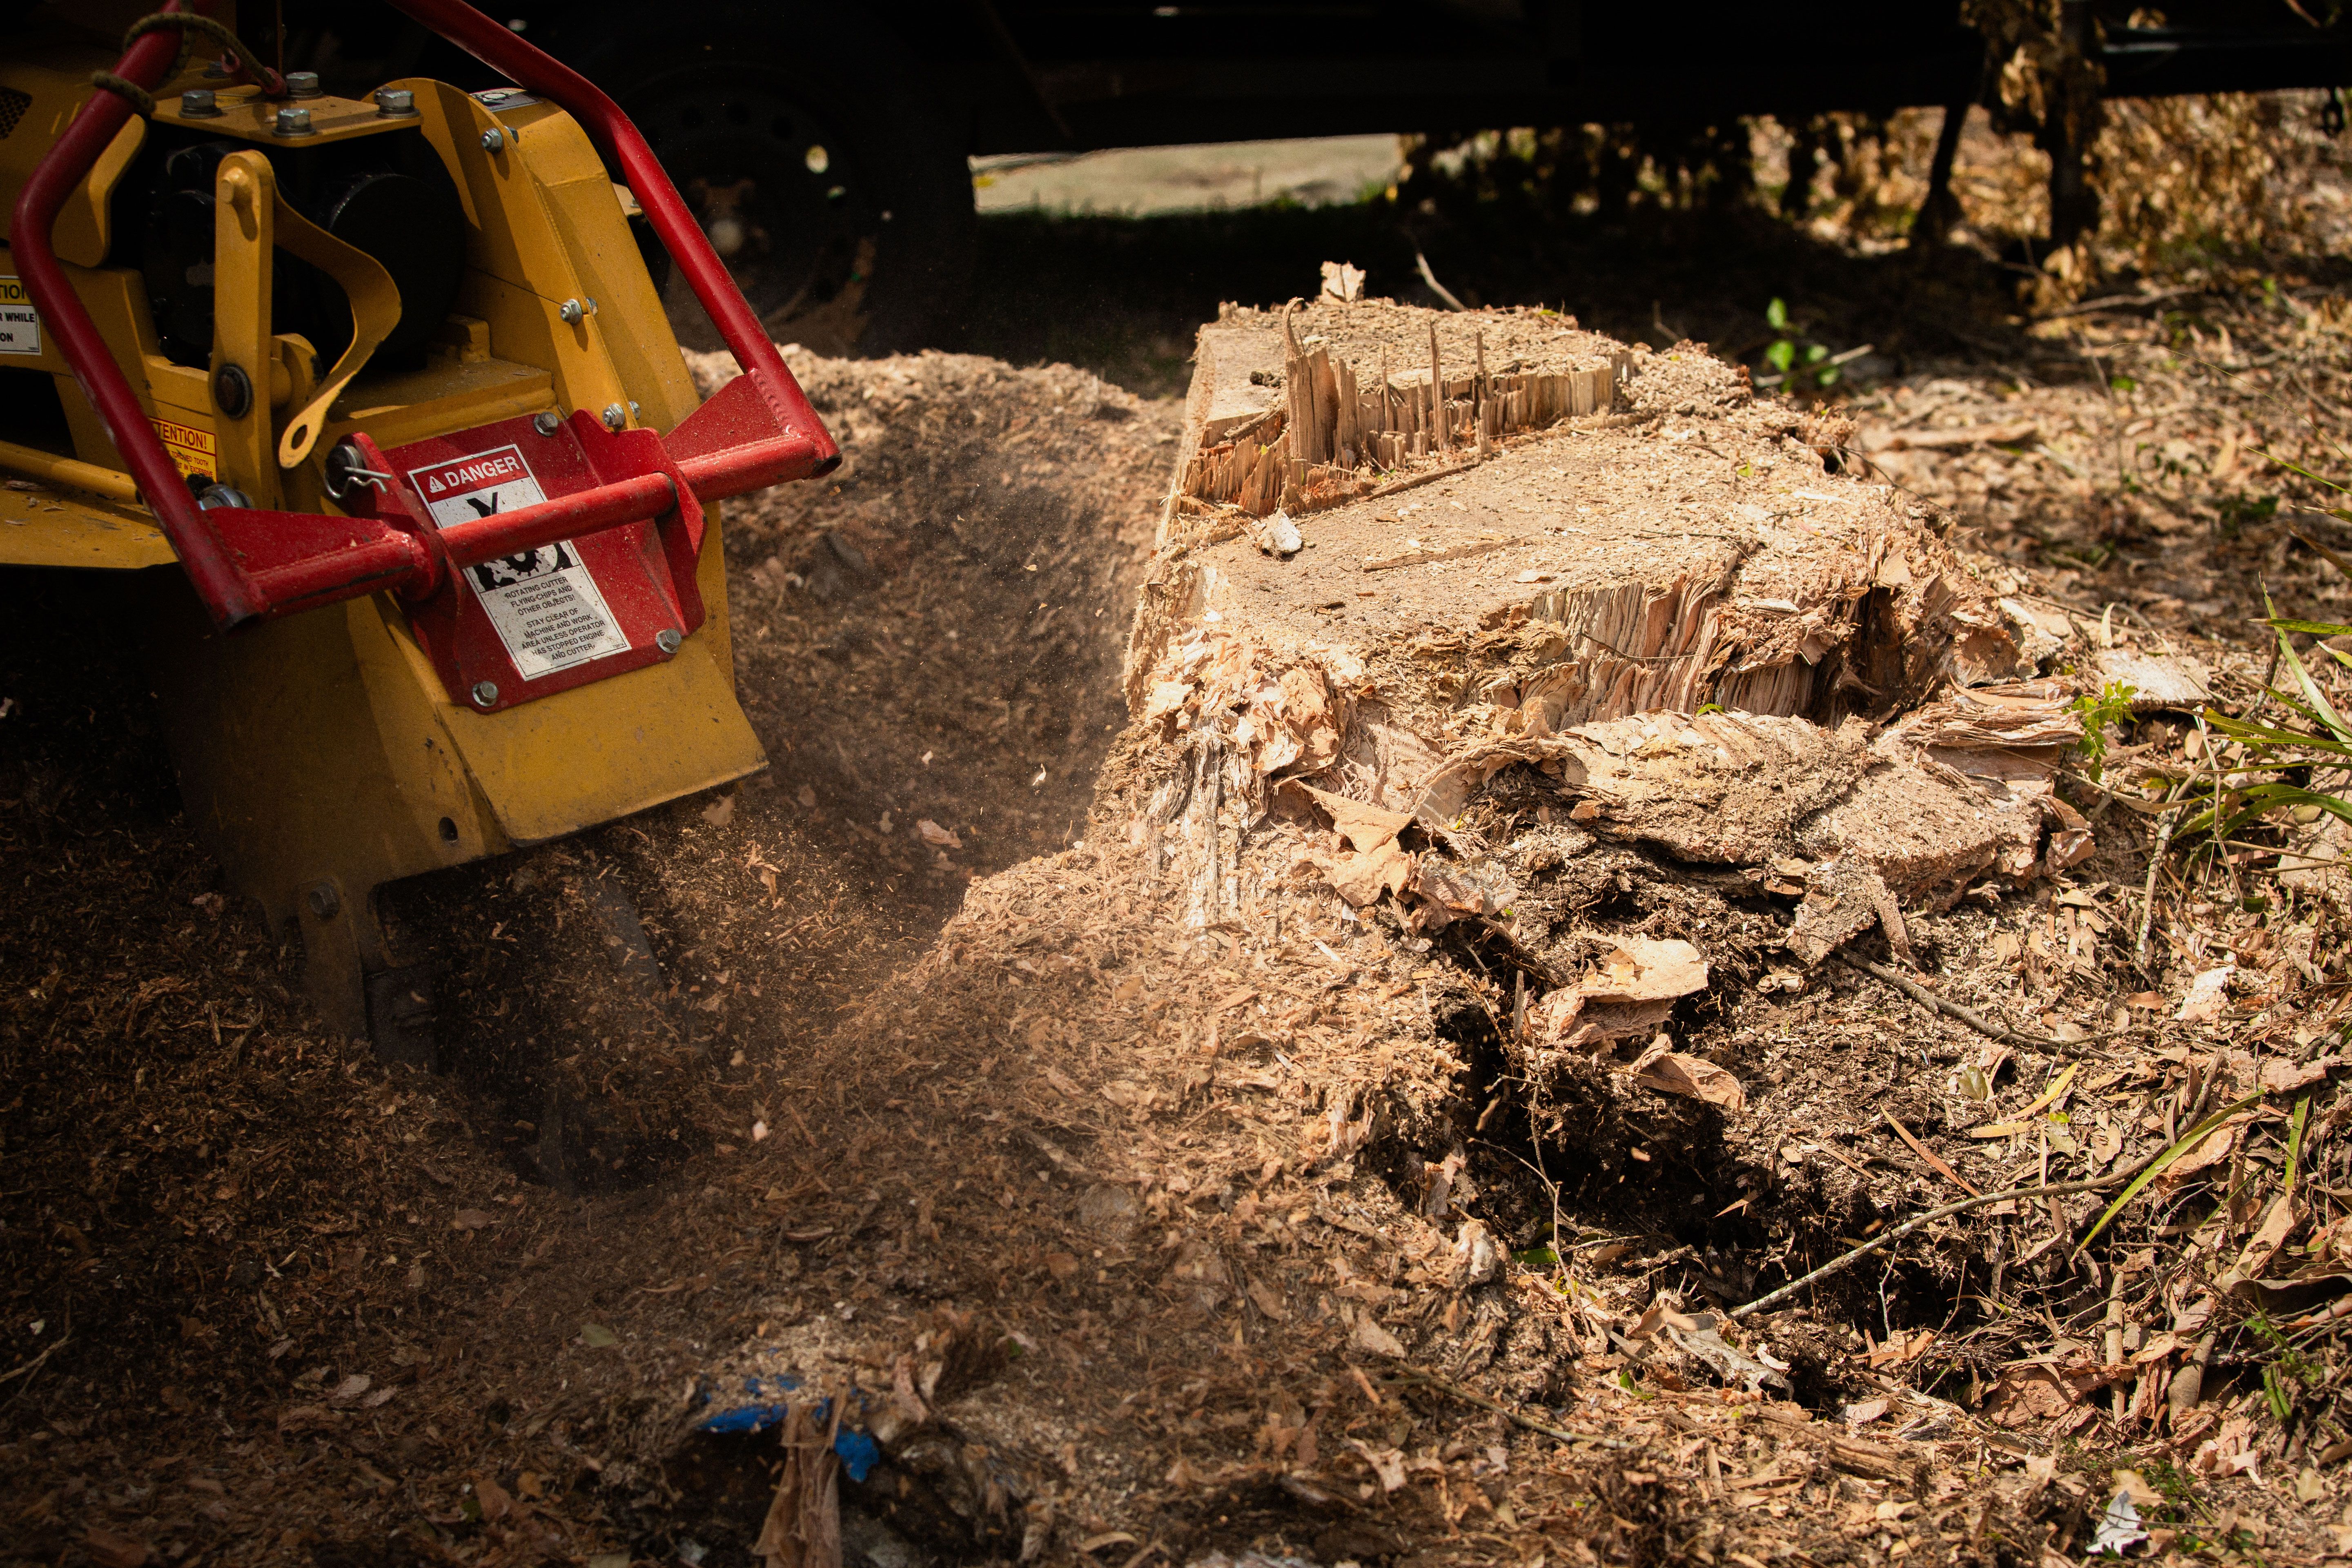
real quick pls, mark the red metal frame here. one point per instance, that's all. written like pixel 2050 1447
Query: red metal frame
pixel 249 565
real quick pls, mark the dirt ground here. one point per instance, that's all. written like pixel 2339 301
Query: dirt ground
pixel 1125 1236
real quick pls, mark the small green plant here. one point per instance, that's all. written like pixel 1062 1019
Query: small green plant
pixel 2301 766
pixel 1799 366
pixel 2100 713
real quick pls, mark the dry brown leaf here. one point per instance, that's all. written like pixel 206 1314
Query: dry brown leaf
pixel 1673 1072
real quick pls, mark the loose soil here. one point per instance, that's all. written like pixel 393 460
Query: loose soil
pixel 1124 1231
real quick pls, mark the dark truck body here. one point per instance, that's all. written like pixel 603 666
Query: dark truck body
pixel 1135 75
pixel 835 138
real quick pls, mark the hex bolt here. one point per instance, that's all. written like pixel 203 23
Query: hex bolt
pixel 324 901
pixel 294 122
pixel 546 424
pixel 633 411
pixel 615 416
pixel 667 640
pixel 573 312
pixel 485 694
pixel 218 495
pixel 199 103
pixel 493 141
pixel 302 84
pixel 395 102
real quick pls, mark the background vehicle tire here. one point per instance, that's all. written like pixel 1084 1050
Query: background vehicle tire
pixel 838 196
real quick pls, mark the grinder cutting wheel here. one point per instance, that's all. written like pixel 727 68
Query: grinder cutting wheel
pixel 388 380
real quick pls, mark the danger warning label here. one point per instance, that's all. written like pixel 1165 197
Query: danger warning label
pixel 543 602
pixel 20 323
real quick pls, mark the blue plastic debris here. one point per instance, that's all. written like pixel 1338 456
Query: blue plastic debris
pixel 860 1453
pixel 765 1411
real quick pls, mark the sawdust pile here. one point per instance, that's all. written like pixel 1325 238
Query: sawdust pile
pixel 1357 1136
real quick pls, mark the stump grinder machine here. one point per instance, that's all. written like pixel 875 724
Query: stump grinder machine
pixel 372 407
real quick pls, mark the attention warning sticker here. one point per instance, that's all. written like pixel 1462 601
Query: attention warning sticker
pixel 193 451
pixel 543 603
pixel 20 324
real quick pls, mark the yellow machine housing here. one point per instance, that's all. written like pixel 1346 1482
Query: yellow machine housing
pixel 320 756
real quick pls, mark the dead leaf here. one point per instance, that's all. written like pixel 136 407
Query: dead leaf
pixel 1387 1463
pixel 1370 1336
pixel 109 1549
pixel 719 812
pixel 497 1502
pixel 350 1388
pixel 472 1219
pixel 2276 1227
pixel 1634 993
pixel 1673 1072
pixel 933 834
pixel 1363 825
pixel 1866 1412
pixel 1269 1301
pixel 2207 995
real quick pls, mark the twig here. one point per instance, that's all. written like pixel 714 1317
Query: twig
pixel 1440 290
pixel 34 1365
pixel 1431 1380
pixel 1846 1259
pixel 1935 1165
pixel 1974 1020
pixel 2163 829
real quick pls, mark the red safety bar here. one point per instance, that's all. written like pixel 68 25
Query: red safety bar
pixel 249 565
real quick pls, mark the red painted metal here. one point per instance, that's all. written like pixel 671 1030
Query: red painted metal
pixel 793 440
pixel 248 563
pixel 607 560
pixel 510 533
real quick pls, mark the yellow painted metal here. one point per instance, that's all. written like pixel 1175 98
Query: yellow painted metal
pixel 408 405
pixel 57 527
pixel 613 747
pixel 374 303
pixel 519 273
pixel 246 116
pixel 34 463
pixel 57 82
pixel 245 214
pixel 592 229
pixel 320 756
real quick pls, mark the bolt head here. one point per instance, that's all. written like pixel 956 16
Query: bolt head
pixel 232 391
pixel 199 103
pixel 323 901
pixel 295 122
pixel 667 640
pixel 395 101
pixel 546 424
pixel 571 311
pixel 615 416
pixel 493 141
pixel 302 84
pixel 485 694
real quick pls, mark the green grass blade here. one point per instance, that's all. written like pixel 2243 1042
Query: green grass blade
pixel 2294 1145
pixel 2311 628
pixel 2173 1151
pixel 2317 697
